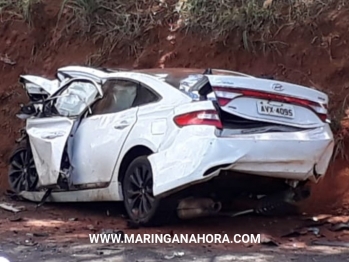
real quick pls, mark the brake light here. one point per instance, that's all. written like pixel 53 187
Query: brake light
pixel 225 95
pixel 223 101
pixel 204 117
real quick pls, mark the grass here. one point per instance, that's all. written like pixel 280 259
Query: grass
pixel 97 59
pixel 112 21
pixel 115 22
pixel 126 22
pixel 261 18
pixel 21 9
pixel 340 114
pixel 221 17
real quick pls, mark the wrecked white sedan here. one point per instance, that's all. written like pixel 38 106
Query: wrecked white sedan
pixel 144 136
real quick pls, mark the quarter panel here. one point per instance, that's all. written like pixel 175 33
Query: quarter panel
pixel 154 124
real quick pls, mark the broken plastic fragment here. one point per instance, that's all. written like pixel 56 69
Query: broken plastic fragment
pixel 11 208
pixel 175 254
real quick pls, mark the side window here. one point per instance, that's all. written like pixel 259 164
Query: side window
pixel 118 95
pixel 76 98
pixel 144 96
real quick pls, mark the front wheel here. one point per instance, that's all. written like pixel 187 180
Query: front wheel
pixel 140 203
pixel 22 172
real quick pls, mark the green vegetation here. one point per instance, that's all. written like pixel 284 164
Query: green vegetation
pixel 113 22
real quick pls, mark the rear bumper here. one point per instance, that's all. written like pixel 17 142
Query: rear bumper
pixel 196 151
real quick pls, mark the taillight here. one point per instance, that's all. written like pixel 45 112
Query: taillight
pixel 204 117
pixel 225 95
pixel 223 101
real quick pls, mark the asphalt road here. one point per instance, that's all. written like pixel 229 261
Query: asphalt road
pixel 59 232
pixel 60 253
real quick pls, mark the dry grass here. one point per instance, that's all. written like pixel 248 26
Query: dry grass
pixel 115 22
pixel 124 22
pixel 261 18
pixel 17 8
pixel 340 128
pixel 98 58
pixel 221 17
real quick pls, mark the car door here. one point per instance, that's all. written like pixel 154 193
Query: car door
pixel 100 136
pixel 48 135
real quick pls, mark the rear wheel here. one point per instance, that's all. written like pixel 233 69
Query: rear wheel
pixel 22 172
pixel 140 203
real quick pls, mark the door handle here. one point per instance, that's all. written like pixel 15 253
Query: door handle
pixel 122 125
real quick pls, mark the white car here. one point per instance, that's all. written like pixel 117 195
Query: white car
pixel 142 136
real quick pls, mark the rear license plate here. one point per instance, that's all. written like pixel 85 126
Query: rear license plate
pixel 275 109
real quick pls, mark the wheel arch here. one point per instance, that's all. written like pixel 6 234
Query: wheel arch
pixel 132 153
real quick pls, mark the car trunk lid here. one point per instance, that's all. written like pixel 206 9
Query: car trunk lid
pixel 269 101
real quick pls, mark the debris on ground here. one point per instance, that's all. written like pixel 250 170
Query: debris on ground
pixel 6 60
pixel 11 208
pixel 91 227
pixel 338 222
pixel 27 243
pixel 108 252
pixel 40 234
pixel 296 233
pixel 302 231
pixel 268 240
pixel 16 219
pixel 338 219
pixel 315 230
pixel 321 217
pixel 340 226
pixel 331 243
pixel 175 254
pixel 294 245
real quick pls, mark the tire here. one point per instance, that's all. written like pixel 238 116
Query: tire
pixel 22 175
pixel 140 204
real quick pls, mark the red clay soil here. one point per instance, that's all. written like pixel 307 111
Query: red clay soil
pixel 316 55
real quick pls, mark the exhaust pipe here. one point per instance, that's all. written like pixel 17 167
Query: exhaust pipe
pixel 189 208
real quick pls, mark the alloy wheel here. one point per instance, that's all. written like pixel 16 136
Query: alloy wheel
pixel 22 173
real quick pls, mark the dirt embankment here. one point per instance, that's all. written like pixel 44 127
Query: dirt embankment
pixel 316 54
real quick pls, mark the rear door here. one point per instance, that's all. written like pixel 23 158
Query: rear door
pixel 270 101
pixel 48 135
